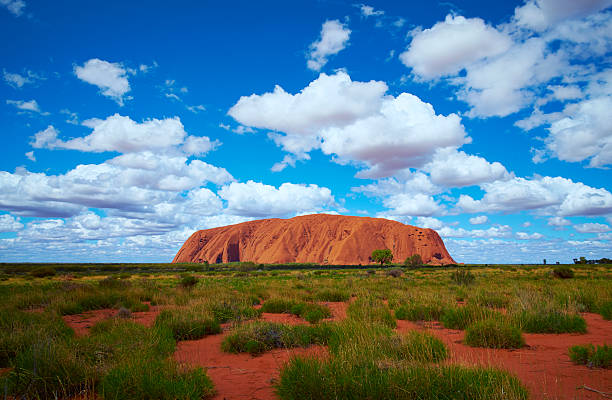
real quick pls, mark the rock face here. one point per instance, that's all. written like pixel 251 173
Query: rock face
pixel 317 238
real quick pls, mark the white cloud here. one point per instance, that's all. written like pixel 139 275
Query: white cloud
pixel 418 204
pixel 196 109
pixel 481 219
pixel 30 155
pixel 334 38
pixel 498 231
pixel 453 168
pixel 111 78
pixel 369 11
pixel 255 199
pixel 15 7
pixel 549 195
pixel 558 222
pixel 529 236
pixel 29 106
pixel 592 227
pixel 429 222
pixel 18 81
pixel 123 135
pixel 450 46
pixel 354 122
pixel 585 133
pixel 8 223
pixel 541 14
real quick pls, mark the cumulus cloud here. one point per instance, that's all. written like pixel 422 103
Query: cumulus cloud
pixel 558 222
pixel 450 46
pixel 541 14
pixel 407 204
pixel 369 11
pixel 15 7
pixel 429 222
pixel 333 39
pixel 529 236
pixel 498 231
pixel 592 227
pixel 122 134
pixel 255 199
pixel 111 78
pixel 548 195
pixel 30 156
pixel 353 121
pixel 8 223
pixel 27 106
pixel 479 220
pixel 453 168
pixel 18 81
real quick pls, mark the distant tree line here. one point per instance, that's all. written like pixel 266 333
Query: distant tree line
pixel 583 260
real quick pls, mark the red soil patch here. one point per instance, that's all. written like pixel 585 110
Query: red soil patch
pixel 543 365
pixel 81 323
pixel 239 376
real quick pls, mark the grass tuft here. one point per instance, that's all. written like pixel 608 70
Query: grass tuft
pixel 600 357
pixel 494 333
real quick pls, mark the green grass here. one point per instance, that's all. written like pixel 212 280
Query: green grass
pixel 419 312
pixel 261 336
pixel 188 324
pixel 334 295
pixel 311 312
pixel 156 379
pixel 591 356
pixel 371 310
pixel 462 317
pixel 550 322
pixel 312 378
pixel 606 310
pixel 225 311
pixel 494 333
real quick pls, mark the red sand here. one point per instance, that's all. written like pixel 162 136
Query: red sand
pixel 81 323
pixel 543 365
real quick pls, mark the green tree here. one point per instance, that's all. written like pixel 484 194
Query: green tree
pixel 414 260
pixel 383 256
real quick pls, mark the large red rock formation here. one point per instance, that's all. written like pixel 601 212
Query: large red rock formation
pixel 317 238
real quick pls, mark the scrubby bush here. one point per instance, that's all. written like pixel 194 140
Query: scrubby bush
pixel 419 312
pixel 413 261
pixel 278 305
pixel 188 324
pixel 42 272
pixel 462 277
pixel 552 321
pixel 462 317
pixel 225 311
pixel 312 313
pixel 396 273
pixel 606 310
pixel 335 295
pixel 188 281
pixel 494 334
pixel 563 272
pixel 600 357
pixel 260 336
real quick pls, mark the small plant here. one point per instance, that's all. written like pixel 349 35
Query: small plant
pixel 383 256
pixel 188 281
pixel 371 310
pixel 335 295
pixel 563 272
pixel 413 261
pixel 419 312
pixel 494 334
pixel 188 324
pixel 462 317
pixel 606 310
pixel 278 306
pixel 396 273
pixel 550 322
pixel 462 277
pixel 124 313
pixel 600 357
pixel 42 272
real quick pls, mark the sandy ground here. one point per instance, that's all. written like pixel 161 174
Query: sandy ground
pixel 543 365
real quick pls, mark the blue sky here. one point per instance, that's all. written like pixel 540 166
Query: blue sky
pixel 125 128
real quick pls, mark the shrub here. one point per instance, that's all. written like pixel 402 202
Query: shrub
pixel 260 336
pixel 312 313
pixel 606 310
pixel 124 313
pixel 278 306
pixel 419 312
pixel 413 261
pixel 383 256
pixel 600 357
pixel 155 379
pixel 371 310
pixel 462 317
pixel 42 272
pixel 550 322
pixel 188 324
pixel 563 272
pixel 396 273
pixel 462 277
pixel 335 295
pixel 494 334
pixel 111 282
pixel 188 281
pixel 225 311
pixel 314 378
